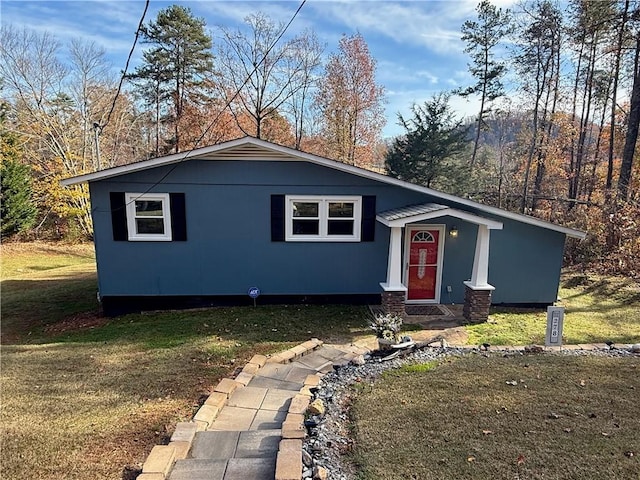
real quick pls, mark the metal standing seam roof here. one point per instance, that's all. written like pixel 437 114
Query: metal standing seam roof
pixel 410 211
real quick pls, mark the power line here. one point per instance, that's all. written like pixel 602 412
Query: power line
pixel 227 105
pixel 126 67
pixel 235 95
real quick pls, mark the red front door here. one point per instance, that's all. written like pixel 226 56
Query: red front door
pixel 422 271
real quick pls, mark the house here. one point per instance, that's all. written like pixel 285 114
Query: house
pixel 203 227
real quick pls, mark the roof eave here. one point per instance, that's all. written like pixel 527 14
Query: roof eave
pixel 299 155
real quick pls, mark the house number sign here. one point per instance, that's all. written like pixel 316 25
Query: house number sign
pixel 555 320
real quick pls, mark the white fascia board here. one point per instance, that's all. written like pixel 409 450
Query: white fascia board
pixel 155 162
pixel 297 155
pixel 445 196
pixel 134 167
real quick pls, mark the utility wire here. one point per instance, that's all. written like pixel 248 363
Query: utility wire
pixel 100 127
pixel 227 105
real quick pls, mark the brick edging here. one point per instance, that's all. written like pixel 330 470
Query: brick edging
pixel 289 459
pixel 162 457
pixel 289 464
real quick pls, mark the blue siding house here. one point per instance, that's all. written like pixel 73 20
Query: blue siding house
pixel 202 227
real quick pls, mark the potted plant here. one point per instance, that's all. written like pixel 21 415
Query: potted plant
pixel 386 326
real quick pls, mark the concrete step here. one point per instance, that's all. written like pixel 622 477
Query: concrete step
pixel 220 445
pixel 232 469
pixel 251 469
pixel 214 445
pixel 198 469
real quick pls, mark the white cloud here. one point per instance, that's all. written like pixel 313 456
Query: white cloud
pixel 111 25
pixel 434 25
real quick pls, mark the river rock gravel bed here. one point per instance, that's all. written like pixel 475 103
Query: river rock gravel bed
pixel 329 438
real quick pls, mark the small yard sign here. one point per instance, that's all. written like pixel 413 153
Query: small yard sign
pixel 555 319
pixel 254 292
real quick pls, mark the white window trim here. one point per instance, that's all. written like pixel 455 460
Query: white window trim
pixel 130 201
pixel 323 214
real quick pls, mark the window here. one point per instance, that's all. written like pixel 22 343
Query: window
pixel 423 237
pixel 148 216
pixel 324 219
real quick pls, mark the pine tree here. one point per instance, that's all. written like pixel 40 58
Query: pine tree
pixel 434 139
pixel 483 37
pixel 17 211
pixel 174 70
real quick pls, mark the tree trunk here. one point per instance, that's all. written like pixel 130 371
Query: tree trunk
pixel 632 130
pixel 616 73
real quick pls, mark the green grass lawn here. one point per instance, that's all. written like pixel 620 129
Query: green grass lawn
pixel 43 284
pixel 567 417
pixel 85 396
pixel 597 309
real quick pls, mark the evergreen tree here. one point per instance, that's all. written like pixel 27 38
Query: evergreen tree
pixel 427 153
pixel 482 37
pixel 17 211
pixel 174 71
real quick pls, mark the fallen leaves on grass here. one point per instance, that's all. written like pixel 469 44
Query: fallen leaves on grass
pixel 77 322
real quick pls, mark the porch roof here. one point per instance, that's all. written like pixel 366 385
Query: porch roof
pixel 399 217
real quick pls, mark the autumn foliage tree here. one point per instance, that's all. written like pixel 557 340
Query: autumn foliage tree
pixel 351 103
pixel 52 105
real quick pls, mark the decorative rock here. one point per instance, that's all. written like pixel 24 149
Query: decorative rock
pixel 358 360
pixel 320 473
pixel 635 348
pixel 533 349
pixel 307 459
pixel 316 407
pixel 327 441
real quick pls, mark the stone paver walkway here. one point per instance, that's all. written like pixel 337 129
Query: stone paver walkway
pixel 251 427
pixel 243 440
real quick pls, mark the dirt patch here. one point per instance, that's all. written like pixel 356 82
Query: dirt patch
pixel 81 321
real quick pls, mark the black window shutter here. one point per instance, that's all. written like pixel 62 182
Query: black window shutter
pixel 368 223
pixel 178 217
pixel 118 217
pixel 277 218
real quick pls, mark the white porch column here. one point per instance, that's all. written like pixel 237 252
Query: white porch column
pixel 394 262
pixel 480 272
pixel 477 292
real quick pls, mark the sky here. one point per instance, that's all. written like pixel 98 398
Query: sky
pixel 416 43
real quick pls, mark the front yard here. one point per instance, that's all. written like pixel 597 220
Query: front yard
pixel 87 397
pixel 493 417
